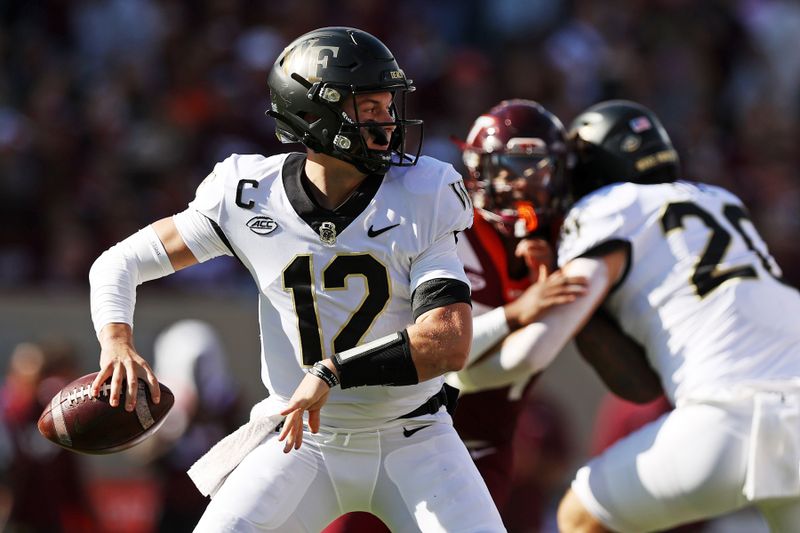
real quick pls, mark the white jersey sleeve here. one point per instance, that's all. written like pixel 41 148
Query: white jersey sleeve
pixel 210 194
pixel 599 219
pixel 199 225
pixel 446 212
pixel 200 236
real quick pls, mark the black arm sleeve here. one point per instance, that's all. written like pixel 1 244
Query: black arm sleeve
pixel 438 293
pixel 385 361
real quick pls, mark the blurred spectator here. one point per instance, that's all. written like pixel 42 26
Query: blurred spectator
pixel 47 491
pixel 94 108
pixel 189 358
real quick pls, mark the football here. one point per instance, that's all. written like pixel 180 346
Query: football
pixel 78 422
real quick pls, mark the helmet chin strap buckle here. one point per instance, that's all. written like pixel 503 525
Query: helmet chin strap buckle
pixel 330 95
pixel 342 142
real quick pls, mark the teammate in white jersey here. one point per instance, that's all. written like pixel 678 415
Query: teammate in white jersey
pixel 363 306
pixel 682 269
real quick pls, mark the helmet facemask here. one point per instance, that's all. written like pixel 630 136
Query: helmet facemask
pixel 515 191
pixel 351 143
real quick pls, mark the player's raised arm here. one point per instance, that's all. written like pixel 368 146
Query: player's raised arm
pixel 504 339
pixel 167 245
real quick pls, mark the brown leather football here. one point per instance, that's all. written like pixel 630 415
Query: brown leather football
pixel 78 422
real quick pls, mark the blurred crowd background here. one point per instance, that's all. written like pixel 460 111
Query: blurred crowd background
pixel 113 111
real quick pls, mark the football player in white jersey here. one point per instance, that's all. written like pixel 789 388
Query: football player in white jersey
pixel 363 306
pixel 681 268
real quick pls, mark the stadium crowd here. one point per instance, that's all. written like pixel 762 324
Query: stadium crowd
pixel 112 111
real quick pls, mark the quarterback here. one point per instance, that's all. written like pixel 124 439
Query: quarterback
pixel 363 305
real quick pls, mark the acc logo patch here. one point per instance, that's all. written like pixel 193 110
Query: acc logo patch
pixel 262 225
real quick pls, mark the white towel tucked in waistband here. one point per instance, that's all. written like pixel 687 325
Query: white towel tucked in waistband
pixel 210 471
pixel 773 466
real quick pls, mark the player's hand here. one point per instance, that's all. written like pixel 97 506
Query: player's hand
pixel 119 360
pixel 310 395
pixel 535 252
pixel 548 291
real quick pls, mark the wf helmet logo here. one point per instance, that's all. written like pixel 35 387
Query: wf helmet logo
pixel 310 58
pixel 262 225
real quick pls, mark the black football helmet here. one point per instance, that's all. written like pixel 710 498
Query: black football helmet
pixel 619 141
pixel 516 156
pixel 312 78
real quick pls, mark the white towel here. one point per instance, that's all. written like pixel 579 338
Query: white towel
pixel 773 467
pixel 210 471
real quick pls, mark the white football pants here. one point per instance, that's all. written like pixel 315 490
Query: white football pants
pixel 702 460
pixel 421 480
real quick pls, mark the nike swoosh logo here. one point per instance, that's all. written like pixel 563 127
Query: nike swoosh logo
pixel 374 233
pixel 409 432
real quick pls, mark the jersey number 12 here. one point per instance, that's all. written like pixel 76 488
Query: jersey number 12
pixel 298 278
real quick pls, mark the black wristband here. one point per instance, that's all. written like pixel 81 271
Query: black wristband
pixel 385 361
pixel 324 373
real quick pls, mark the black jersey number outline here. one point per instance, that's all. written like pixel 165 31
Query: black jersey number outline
pixel 298 278
pixel 707 276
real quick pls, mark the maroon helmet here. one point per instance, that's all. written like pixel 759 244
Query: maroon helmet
pixel 516 156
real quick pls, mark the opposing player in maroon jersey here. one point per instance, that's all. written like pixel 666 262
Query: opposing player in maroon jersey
pixel 514 153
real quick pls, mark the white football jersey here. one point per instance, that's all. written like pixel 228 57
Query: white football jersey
pixel 329 281
pixel 701 292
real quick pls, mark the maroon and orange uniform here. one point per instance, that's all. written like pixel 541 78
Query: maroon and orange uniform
pixel 486 420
